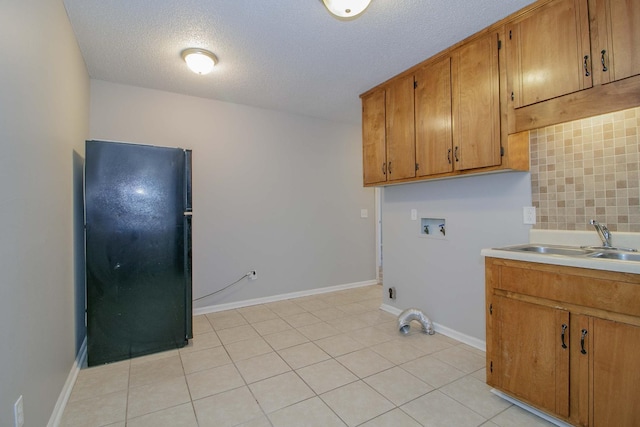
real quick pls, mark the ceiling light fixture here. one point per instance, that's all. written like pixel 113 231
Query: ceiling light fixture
pixel 199 61
pixel 346 9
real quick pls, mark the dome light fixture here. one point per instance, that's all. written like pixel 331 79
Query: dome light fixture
pixel 200 61
pixel 346 9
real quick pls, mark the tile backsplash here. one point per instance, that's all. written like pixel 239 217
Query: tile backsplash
pixel 587 169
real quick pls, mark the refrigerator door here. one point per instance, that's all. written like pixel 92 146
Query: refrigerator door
pixel 188 212
pixel 137 238
pixel 187 172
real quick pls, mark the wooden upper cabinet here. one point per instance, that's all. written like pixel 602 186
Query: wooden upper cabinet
pixel 433 118
pixel 615 39
pixel 373 138
pixel 401 148
pixel 549 52
pixel 475 86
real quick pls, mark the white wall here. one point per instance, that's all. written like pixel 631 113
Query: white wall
pixel 44 102
pixel 445 278
pixel 274 192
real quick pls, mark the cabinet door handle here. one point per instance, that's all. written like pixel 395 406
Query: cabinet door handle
pixel 584 334
pixel 586 66
pixel 604 67
pixel 389 168
pixel 564 329
pixel 455 154
pixel 449 155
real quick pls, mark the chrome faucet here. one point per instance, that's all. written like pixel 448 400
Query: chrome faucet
pixel 603 232
pixel 605 236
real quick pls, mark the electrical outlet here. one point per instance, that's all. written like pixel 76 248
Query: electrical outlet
pixel 529 215
pixel 414 214
pixel 252 274
pixel 18 413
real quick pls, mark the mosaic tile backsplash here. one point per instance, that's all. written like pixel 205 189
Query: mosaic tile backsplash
pixel 587 169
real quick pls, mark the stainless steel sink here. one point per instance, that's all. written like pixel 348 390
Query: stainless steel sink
pixel 576 252
pixel 549 249
pixel 623 256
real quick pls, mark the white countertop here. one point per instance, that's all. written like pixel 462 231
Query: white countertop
pixel 572 238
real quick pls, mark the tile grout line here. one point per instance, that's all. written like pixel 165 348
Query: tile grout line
pixel 287 309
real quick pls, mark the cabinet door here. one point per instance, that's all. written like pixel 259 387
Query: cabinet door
pixel 579 370
pixel 549 52
pixel 529 360
pixel 433 118
pixel 373 138
pixel 476 104
pixel 401 148
pixel 616 39
pixel 616 374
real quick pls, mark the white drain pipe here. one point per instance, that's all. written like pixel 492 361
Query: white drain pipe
pixel 405 318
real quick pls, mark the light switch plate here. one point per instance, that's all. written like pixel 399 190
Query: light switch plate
pixel 364 213
pixel 529 215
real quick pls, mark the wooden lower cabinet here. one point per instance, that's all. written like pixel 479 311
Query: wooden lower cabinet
pixel 565 340
pixel 615 355
pixel 532 363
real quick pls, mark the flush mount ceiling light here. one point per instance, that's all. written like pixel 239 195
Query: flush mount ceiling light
pixel 346 9
pixel 199 61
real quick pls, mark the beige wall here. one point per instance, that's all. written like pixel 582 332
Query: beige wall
pixel 44 102
pixel 445 277
pixel 275 192
pixel 587 169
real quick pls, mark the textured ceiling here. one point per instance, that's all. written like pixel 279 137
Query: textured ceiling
pixel 287 55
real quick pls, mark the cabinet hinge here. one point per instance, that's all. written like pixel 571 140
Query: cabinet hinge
pixel 501 151
pixel 491 366
pixel 417 166
pixel 415 84
pixel 490 308
pixel 513 97
pixel 509 34
pixel 499 44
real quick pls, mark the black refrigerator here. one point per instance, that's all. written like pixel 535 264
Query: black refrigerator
pixel 138 249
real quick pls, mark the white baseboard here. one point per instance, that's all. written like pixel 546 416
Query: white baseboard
pixel 391 309
pixel 63 398
pixel 441 329
pixel 281 297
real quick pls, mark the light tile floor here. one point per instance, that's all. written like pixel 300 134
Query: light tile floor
pixel 333 359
